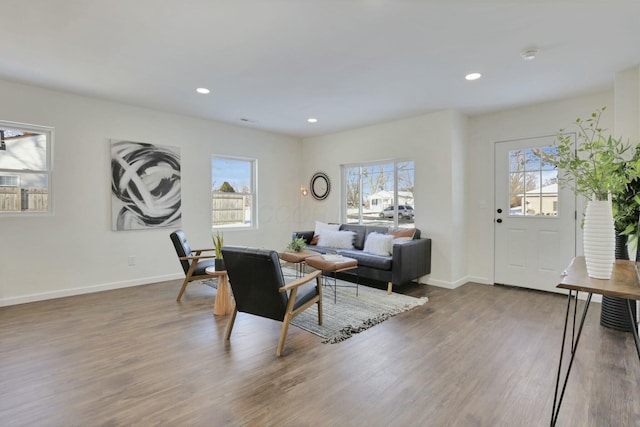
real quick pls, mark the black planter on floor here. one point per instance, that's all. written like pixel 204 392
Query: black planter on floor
pixel 614 310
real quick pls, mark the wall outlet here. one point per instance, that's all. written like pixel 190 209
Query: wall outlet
pixel 132 261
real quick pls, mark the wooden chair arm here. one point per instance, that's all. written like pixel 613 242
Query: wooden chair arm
pixel 301 281
pixel 198 251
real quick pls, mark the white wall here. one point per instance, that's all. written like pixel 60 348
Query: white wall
pixel 484 131
pixel 74 251
pixel 627 108
pixel 435 142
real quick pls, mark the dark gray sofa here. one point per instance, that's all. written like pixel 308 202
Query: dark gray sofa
pixel 410 259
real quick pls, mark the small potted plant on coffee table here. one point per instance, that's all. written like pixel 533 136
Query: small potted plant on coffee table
pixel 297 244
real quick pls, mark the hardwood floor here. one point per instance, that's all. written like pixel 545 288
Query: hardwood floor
pixel 474 356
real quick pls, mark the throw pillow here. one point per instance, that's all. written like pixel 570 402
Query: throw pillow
pixel 379 244
pixel 336 239
pixel 322 227
pixel 402 232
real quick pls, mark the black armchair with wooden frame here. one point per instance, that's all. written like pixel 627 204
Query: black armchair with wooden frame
pixel 259 288
pixel 193 262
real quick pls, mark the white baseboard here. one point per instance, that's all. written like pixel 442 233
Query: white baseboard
pixel 23 299
pixel 457 283
pixel 86 290
pixel 481 280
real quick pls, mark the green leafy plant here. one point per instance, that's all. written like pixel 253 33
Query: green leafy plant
pixel 297 244
pixel 595 165
pixel 626 205
pixel 218 243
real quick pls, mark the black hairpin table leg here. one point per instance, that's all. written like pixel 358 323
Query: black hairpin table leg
pixel 574 345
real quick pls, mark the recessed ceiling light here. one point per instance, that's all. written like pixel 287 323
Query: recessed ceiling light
pixel 203 90
pixel 473 76
pixel 312 120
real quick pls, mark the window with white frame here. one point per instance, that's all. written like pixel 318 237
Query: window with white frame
pixel 379 193
pixel 25 168
pixel 233 195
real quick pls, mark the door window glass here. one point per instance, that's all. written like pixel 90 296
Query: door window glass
pixel 533 183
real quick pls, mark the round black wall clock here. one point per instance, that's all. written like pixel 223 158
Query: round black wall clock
pixel 320 186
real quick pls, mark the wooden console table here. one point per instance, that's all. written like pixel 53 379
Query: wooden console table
pixel 623 284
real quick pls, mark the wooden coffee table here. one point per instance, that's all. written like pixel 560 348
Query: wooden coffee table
pixel 333 264
pixel 298 259
pixel 223 304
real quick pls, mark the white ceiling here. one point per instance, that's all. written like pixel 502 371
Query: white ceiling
pixel 349 63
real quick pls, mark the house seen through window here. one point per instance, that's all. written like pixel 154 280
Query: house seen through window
pixel 533 182
pixel 233 192
pixel 379 193
pixel 25 168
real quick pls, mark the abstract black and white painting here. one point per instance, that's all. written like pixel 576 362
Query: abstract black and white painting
pixel 145 186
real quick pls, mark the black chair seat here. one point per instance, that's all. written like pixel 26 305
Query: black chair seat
pixel 202 266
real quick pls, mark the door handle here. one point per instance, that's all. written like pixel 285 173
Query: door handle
pixel 499 210
pixel 499 220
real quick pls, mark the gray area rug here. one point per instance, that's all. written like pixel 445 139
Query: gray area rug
pixel 212 283
pixel 353 314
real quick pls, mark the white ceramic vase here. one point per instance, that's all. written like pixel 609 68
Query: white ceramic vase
pixel 599 239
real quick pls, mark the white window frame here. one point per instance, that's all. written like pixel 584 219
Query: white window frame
pixel 48 171
pixel 343 198
pixel 252 195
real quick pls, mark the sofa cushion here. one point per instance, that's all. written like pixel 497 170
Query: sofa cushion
pixel 321 249
pixel 336 239
pixel 379 244
pixel 366 259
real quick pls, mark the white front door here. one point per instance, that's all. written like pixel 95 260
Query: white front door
pixel 534 219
